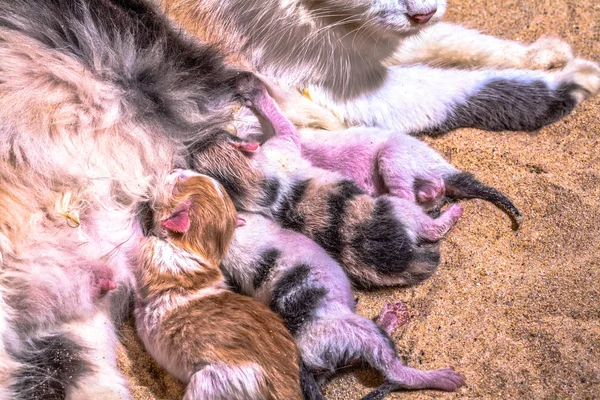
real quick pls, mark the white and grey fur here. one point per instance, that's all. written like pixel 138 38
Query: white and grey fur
pixel 372 62
pixel 309 289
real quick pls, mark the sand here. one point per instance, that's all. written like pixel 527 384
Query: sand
pixel 516 313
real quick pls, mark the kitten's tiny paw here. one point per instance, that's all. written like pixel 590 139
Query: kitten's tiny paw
pixel 430 191
pixel 393 316
pixel 445 379
pixel 548 53
pixel 430 194
pixel 584 76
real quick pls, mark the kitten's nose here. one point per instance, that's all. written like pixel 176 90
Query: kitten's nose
pixel 422 18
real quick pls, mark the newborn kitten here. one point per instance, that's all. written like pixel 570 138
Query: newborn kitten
pixel 382 241
pixel 309 289
pixel 222 344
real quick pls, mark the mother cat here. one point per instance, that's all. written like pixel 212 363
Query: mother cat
pixel 379 62
pixel 97 98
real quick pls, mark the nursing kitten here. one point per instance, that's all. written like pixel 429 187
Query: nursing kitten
pixel 302 283
pixel 381 241
pixel 392 64
pixel 222 344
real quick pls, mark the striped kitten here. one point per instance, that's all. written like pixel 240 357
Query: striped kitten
pixel 222 344
pixel 309 289
pixel 383 241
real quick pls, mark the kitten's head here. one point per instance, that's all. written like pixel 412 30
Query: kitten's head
pixel 195 213
pixel 228 159
pixel 385 17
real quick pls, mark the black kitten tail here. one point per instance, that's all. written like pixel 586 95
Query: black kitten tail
pixel 381 392
pixel 464 185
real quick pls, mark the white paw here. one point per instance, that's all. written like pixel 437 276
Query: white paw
pixel 586 75
pixel 548 53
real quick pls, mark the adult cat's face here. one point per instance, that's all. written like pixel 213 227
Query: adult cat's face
pixel 383 16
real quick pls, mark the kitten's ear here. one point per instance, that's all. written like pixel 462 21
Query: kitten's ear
pixel 179 220
pixel 247 147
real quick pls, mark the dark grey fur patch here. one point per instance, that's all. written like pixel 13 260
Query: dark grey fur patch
pixel 51 364
pixel 381 241
pixel 145 216
pixel 232 281
pixel 309 385
pixel 330 238
pixel 264 266
pixel 512 105
pixel 287 214
pixel 270 190
pixel 130 44
pixel 294 299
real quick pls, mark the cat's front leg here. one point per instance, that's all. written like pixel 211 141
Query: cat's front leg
pixel 447 45
pixel 425 100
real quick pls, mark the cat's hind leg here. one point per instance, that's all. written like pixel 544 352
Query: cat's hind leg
pixel 425 100
pixel 98 340
pixel 75 361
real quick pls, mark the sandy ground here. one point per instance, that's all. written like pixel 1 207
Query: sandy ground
pixel 517 314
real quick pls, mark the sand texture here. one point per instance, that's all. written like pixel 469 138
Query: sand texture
pixel 517 313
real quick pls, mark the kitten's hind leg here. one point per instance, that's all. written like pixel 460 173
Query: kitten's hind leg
pixel 412 170
pixel 330 343
pixel 393 316
pixel 224 382
pixel 419 225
